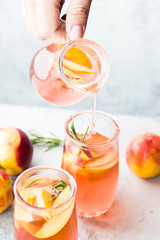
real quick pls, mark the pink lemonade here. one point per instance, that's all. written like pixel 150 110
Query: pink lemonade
pixel 44 210
pixel 65 75
pixel 94 164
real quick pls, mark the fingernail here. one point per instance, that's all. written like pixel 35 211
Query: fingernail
pixel 76 32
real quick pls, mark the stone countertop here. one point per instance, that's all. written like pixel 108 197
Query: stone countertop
pixel 135 212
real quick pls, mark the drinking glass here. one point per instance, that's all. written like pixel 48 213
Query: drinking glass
pixel 58 222
pixel 93 164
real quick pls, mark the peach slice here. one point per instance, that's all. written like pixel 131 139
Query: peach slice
pixel 33 226
pixel 28 196
pixel 77 157
pixel 43 199
pixel 31 222
pixel 82 158
pixel 76 67
pixel 95 167
pixel 98 168
pixel 62 196
pixel 78 56
pixel 103 162
pixel 59 220
pixel 72 76
pixel 85 155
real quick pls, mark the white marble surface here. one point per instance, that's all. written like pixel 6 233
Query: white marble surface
pixel 128 30
pixel 135 213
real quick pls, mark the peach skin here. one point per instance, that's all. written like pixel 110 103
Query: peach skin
pixel 16 150
pixel 143 155
pixel 6 192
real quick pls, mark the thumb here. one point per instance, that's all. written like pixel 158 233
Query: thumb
pixel 77 16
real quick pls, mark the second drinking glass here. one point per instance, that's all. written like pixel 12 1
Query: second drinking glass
pixel 94 162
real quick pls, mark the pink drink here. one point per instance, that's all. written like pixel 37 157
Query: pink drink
pixel 45 206
pixel 94 164
pixel 65 75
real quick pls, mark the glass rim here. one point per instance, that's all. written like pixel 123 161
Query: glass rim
pixel 92 145
pixel 95 47
pixel 34 169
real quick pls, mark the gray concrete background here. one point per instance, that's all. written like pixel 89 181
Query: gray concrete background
pixel 128 30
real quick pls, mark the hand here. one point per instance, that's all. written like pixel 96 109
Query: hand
pixel 42 18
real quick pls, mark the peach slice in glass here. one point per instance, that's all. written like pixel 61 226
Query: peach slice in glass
pixel 34 226
pixel 28 196
pixel 62 196
pixel 75 67
pixel 59 220
pixel 72 76
pixel 99 167
pixel 43 199
pixel 78 56
pixel 31 222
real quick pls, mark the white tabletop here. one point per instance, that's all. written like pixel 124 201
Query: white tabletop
pixel 135 214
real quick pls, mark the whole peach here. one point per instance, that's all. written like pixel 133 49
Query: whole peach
pixel 143 155
pixel 16 150
pixel 6 191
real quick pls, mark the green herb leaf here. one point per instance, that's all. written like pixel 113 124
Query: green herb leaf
pixel 58 189
pixel 74 134
pixel 50 142
pixel 85 134
pixel 52 199
pixel 29 184
pixel 61 185
pixel 73 131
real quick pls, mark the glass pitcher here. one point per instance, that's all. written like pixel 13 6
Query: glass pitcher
pixel 64 74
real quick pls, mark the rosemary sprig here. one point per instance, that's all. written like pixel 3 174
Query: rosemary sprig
pixel 85 134
pixel 50 142
pixel 58 189
pixel 61 185
pixel 73 131
pixel 74 134
pixel 52 199
pixel 29 184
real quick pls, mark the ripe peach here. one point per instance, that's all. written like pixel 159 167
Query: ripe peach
pixel 16 150
pixel 143 155
pixel 6 191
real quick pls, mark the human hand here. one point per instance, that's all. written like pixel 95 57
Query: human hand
pixel 42 18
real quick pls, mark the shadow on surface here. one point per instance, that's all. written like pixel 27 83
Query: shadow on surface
pixel 119 216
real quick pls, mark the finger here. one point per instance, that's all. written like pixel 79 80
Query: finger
pixel 48 19
pixel 59 36
pixel 77 16
pixel 25 14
